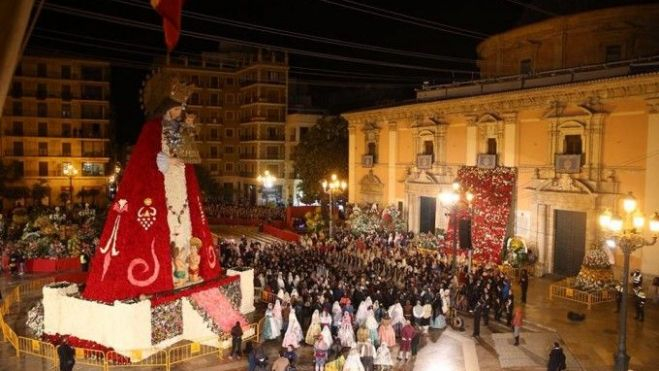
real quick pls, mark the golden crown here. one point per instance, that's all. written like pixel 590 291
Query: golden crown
pixel 161 86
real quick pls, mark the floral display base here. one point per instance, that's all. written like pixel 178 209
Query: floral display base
pixel 246 288
pixel 138 329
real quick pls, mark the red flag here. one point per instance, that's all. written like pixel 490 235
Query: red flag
pixel 170 11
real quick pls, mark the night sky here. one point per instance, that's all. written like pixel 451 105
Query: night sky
pixel 436 42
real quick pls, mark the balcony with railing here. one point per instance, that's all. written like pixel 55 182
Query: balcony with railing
pixel 248 82
pixel 75 134
pixel 17 152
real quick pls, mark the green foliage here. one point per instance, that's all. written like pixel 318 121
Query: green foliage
pixel 209 187
pixel 321 152
pixel 39 191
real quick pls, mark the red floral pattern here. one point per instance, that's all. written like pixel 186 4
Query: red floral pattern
pixel 88 345
pixel 143 180
pixel 493 193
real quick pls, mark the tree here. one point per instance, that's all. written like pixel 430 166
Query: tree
pixel 322 151
pixel 39 191
pixel 209 187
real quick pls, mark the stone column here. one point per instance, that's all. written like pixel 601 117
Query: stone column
pixel 650 260
pixel 352 163
pixel 541 237
pixel 391 164
pixel 472 142
pixel 510 139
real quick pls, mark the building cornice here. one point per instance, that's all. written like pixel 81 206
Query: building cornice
pixel 642 86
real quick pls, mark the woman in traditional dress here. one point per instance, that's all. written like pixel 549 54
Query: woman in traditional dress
pixel 353 362
pixel 276 314
pixel 372 326
pixel 386 332
pixel 397 317
pixel 360 317
pixel 314 328
pixel 337 316
pixel 270 328
pixel 293 335
pixel 346 332
pixel 327 336
pixel 383 359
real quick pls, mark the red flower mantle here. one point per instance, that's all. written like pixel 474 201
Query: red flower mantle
pixel 493 193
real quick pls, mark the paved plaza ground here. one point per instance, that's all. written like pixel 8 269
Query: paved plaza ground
pixel 589 345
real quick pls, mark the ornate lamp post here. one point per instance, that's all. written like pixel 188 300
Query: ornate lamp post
pixel 624 233
pixel 334 185
pixel 451 200
pixel 267 180
pixel 70 171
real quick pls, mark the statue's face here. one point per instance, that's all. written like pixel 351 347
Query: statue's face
pixel 175 112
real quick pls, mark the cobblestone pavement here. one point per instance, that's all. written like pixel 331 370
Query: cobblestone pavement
pixel 589 344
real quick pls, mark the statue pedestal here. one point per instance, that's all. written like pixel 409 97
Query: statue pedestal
pixel 246 287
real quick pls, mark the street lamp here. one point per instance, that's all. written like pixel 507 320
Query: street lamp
pixel 267 180
pixel 451 200
pixel 625 233
pixel 70 171
pixel 334 185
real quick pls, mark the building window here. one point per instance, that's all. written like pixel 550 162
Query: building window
pixel 572 145
pixel 17 128
pixel 16 89
pixel 17 108
pixel 42 110
pixel 228 167
pixel 228 133
pixel 43 168
pixel 428 148
pixel 91 73
pixel 92 169
pixel 66 110
pixel 42 129
pixel 213 152
pixel 491 146
pixel 66 72
pixel 66 92
pixel 228 149
pixel 66 130
pixel 214 82
pixel 92 92
pixel 42 91
pixel 525 67
pixel 613 53
pixel 66 149
pixel 43 149
pixel 42 70
pixel 18 149
pixel 214 100
pixel 372 151
pixel 19 169
pixel 194 99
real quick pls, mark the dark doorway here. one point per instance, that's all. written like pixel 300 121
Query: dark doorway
pixel 569 241
pixel 427 215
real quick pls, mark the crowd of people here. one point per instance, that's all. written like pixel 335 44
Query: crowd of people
pixel 262 213
pixel 369 294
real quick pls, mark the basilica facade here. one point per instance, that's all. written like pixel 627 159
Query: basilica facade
pixel 577 116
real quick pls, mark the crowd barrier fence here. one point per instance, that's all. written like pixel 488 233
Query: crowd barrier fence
pixel 106 360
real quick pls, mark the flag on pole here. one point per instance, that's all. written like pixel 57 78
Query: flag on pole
pixel 170 11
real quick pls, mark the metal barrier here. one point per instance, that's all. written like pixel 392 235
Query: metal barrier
pixel 565 290
pixel 37 348
pixel 144 358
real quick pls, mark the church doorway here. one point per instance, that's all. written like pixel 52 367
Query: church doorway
pixel 569 241
pixel 427 214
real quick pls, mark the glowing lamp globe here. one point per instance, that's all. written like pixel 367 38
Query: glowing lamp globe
pixel 605 218
pixel 654 223
pixel 638 220
pixel 616 224
pixel 629 203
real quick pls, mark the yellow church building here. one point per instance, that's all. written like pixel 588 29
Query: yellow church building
pixel 572 103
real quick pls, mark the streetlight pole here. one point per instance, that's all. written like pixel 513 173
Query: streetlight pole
pixel 70 172
pixel 267 180
pixel 629 240
pixel 334 185
pixel 451 200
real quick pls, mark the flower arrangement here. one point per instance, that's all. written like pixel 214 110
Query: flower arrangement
pixel 389 220
pixel 490 212
pixel 166 321
pixel 516 253
pixel 217 310
pixel 428 241
pixel 595 272
pixel 114 358
pixel 34 320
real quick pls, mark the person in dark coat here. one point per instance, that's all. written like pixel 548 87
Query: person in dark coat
pixel 236 340
pixel 477 320
pixel 556 359
pixel 66 356
pixel 524 284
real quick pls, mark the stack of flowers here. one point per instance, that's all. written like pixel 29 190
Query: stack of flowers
pixel 595 272
pixel 389 220
pixel 34 320
pixel 166 321
pixel 428 241
pixel 493 193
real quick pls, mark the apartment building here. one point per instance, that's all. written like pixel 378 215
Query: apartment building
pixel 55 128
